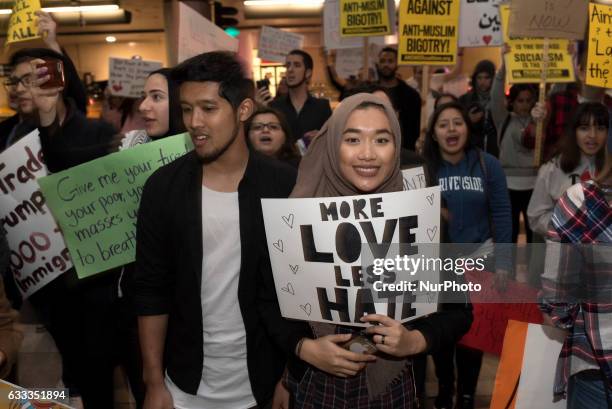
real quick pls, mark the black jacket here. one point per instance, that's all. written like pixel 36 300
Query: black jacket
pixel 169 271
pixel 77 140
pixel 312 116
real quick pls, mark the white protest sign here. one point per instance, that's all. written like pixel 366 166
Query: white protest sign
pixel 331 29
pixel 480 23
pixel 38 253
pixel 127 76
pixel 199 35
pixel 275 44
pixel 349 61
pixel 542 348
pixel 317 247
pixel 414 178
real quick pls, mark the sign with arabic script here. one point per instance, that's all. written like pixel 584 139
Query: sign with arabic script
pixel 480 23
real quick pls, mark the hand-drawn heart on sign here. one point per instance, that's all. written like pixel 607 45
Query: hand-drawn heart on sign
pixel 430 199
pixel 431 233
pixel 294 268
pixel 279 245
pixel 288 220
pixel 307 308
pixel 117 87
pixel 487 39
pixel 288 289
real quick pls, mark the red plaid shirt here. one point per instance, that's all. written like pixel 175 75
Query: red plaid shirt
pixel 582 216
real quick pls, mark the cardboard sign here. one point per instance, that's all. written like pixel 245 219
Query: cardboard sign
pixel 428 32
pixel 15 397
pixel 127 77
pixel 480 23
pixel 490 318
pixel 38 254
pixel 599 58
pixel 414 178
pixel 22 24
pixel 548 18
pixel 96 203
pixel 349 61
pixel 199 35
pixel 524 62
pixel 275 44
pixel 364 18
pixel 331 30
pixel 316 252
pixel 542 348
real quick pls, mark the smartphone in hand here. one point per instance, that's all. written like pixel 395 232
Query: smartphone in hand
pixel 55 69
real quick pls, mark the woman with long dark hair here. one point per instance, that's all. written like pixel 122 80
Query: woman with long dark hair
pixel 576 286
pixel 581 157
pixel 477 211
pixel 268 132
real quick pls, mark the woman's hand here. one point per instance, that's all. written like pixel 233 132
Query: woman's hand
pixel 392 338
pixel 325 354
pixel 538 112
pixel 45 99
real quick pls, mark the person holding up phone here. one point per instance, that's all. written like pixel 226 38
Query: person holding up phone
pixel 84 314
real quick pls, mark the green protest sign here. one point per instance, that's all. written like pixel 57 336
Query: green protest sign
pixel 96 203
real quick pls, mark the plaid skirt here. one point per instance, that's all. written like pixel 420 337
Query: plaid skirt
pixel 319 390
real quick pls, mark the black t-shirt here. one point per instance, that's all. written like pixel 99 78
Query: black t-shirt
pixel 314 113
pixel 408 102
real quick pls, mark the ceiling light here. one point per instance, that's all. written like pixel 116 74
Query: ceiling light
pixel 74 9
pixel 111 39
pixel 268 3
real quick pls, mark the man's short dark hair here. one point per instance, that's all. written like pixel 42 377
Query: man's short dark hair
pixel 217 66
pixel 308 64
pixel 388 50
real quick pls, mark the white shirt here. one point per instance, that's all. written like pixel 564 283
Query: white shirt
pixel 225 379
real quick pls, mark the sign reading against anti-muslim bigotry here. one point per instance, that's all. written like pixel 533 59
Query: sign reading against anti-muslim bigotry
pixel 96 203
pixel 428 32
pixel 364 18
pixel 525 61
pixel 37 250
pixel 326 252
pixel 599 58
pixel 22 25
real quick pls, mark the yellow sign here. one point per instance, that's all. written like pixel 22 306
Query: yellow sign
pixel 364 18
pixel 599 59
pixel 525 60
pixel 428 32
pixel 22 23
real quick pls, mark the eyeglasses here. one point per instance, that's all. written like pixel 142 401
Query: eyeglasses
pixel 259 126
pixel 25 80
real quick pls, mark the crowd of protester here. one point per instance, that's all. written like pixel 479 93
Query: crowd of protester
pixel 195 321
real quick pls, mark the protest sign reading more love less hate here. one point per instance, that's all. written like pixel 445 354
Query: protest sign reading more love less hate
pixel 317 247
pixel 22 22
pixel 37 250
pixel 428 32
pixel 525 61
pixel 480 23
pixel 364 18
pixel 599 59
pixel 96 203
pixel 127 77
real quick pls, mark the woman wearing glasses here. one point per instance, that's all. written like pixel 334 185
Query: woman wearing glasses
pixel 269 133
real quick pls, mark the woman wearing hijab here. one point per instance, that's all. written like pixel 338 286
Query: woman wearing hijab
pixel 358 152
